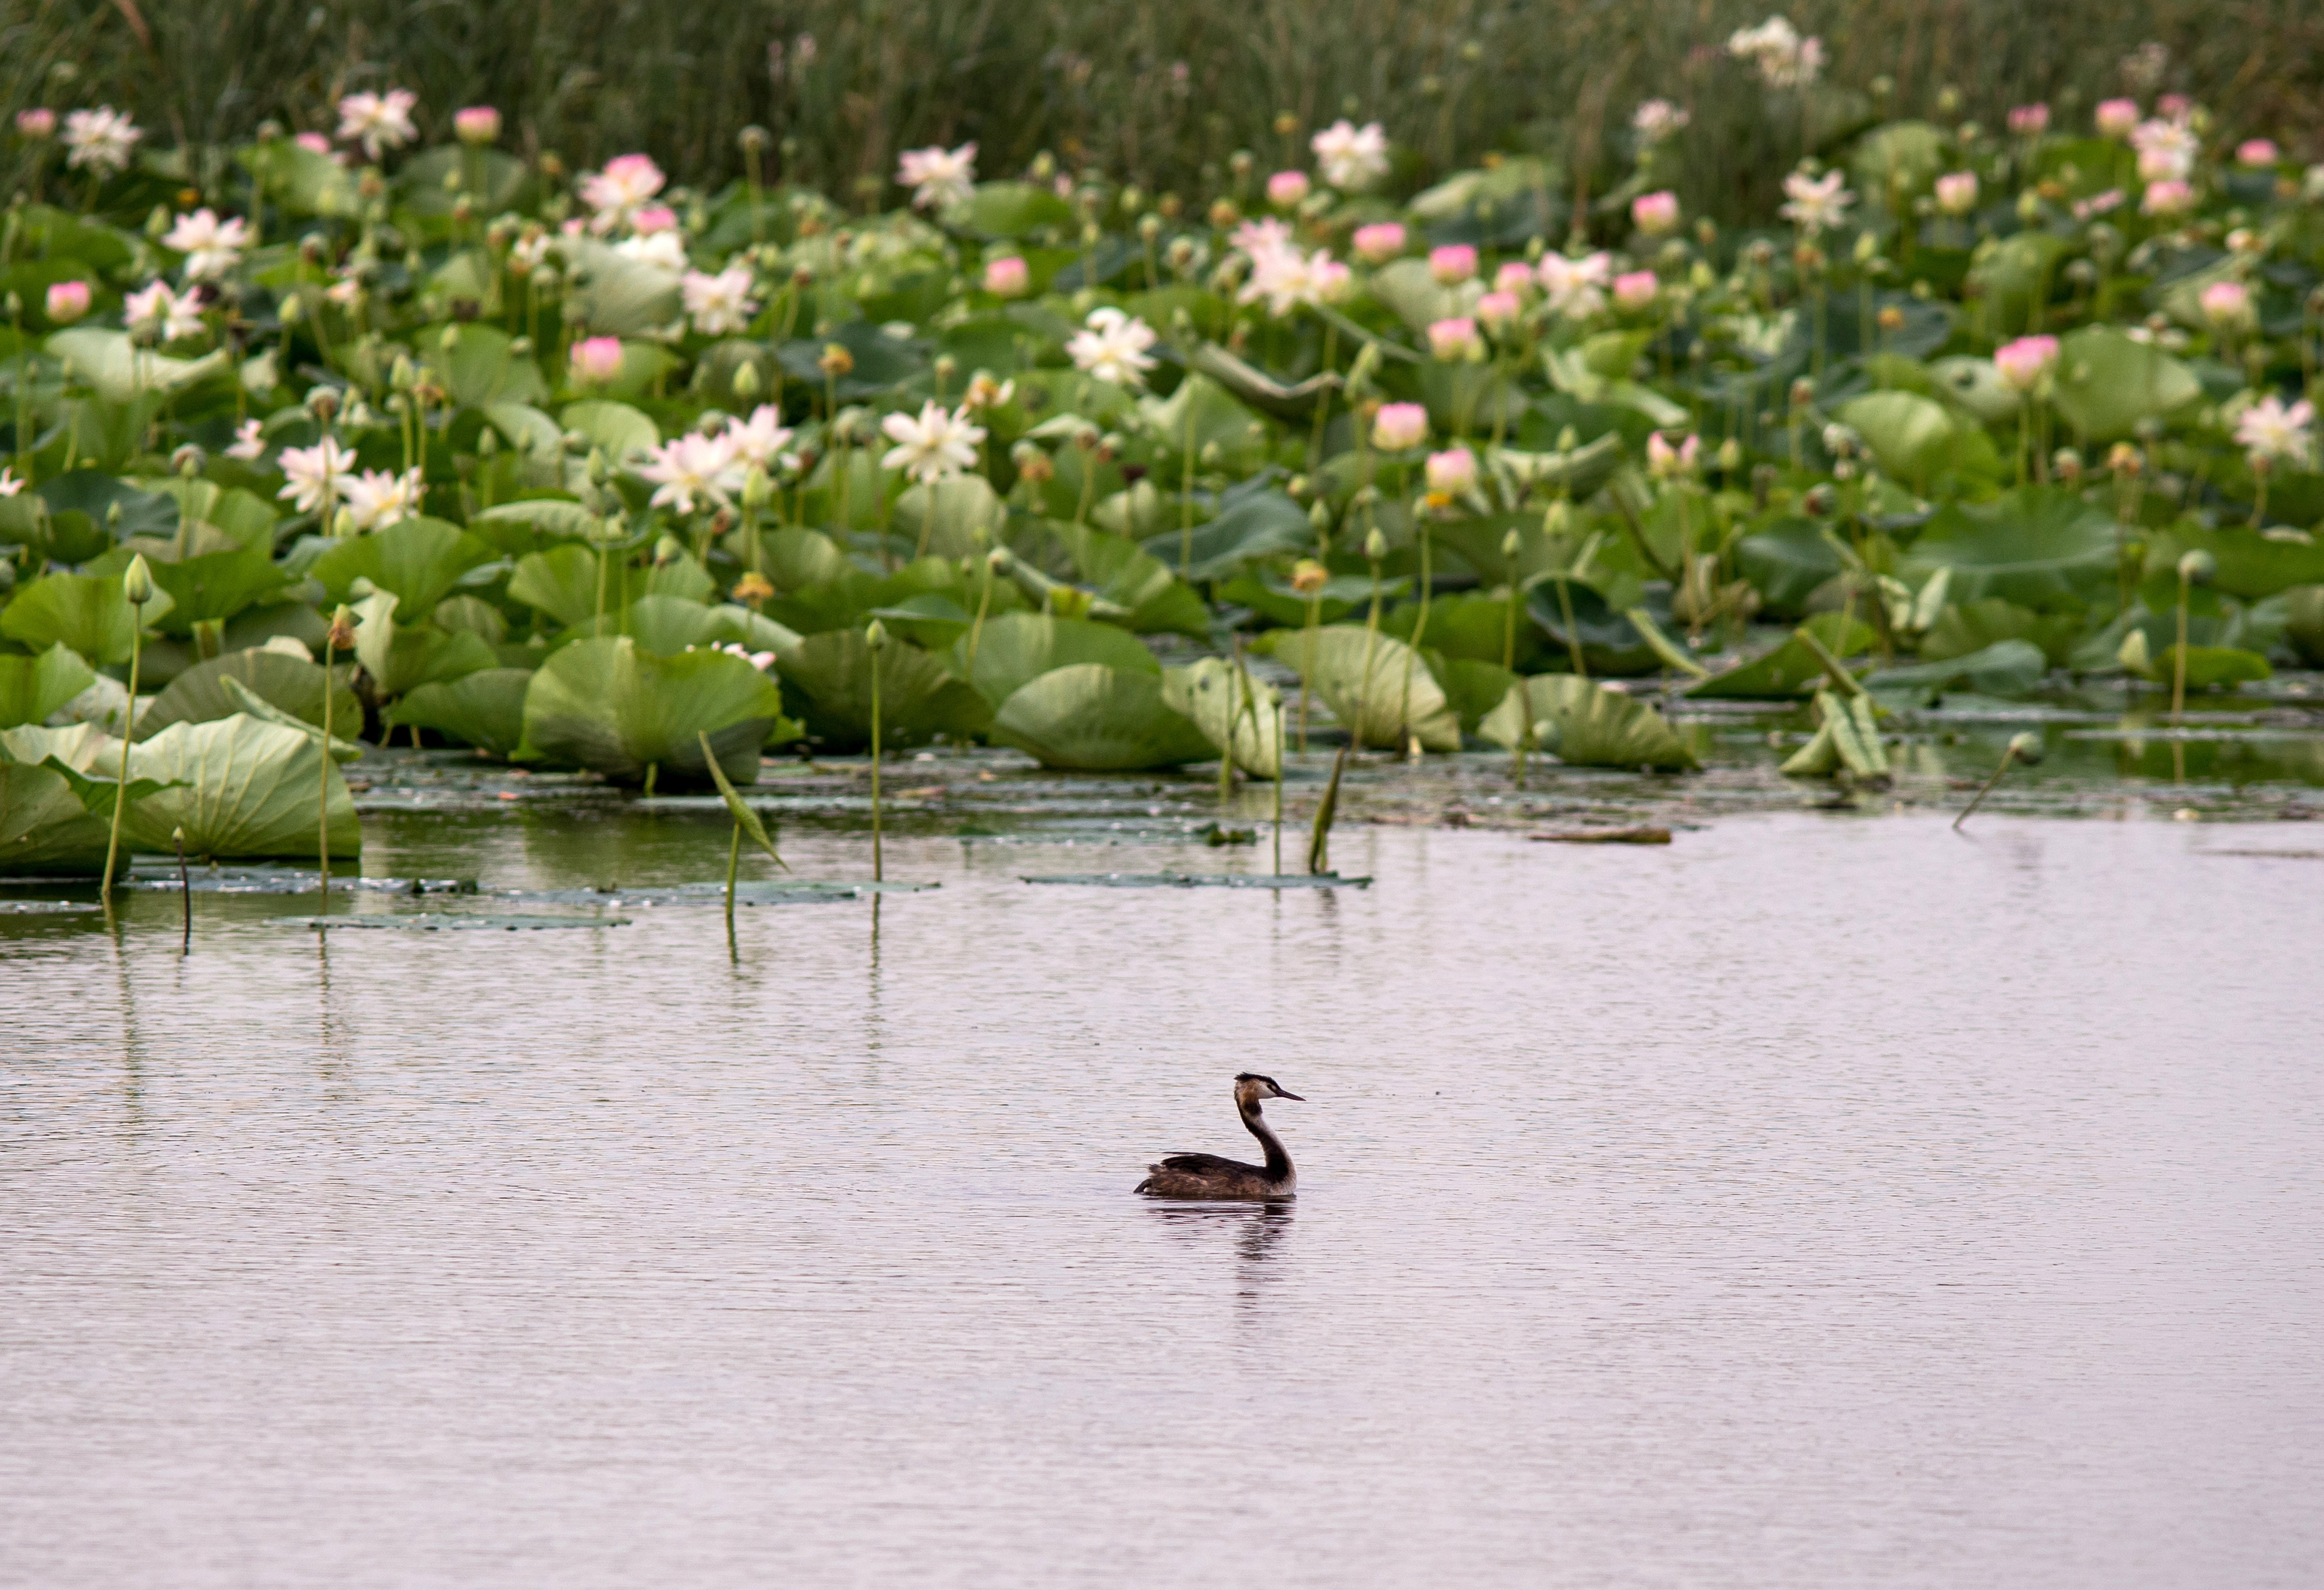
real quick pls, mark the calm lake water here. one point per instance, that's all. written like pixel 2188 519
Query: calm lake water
pixel 1821 1200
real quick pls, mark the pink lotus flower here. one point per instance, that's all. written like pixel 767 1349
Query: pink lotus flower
pixel 315 143
pixel 626 185
pixel 2257 151
pixel 595 360
pixel 1399 427
pixel 2177 106
pixel 2029 121
pixel 1637 289
pixel 1499 311
pixel 1453 264
pixel 2025 363
pixel 653 218
pixel 2115 118
pixel 1378 242
pixel 1286 188
pixel 1455 340
pixel 1007 276
pixel 2167 198
pixel 378 122
pixel 2227 304
pixel 1655 213
pixel 1515 276
pixel 68 302
pixel 2097 204
pixel 36 124
pixel 1664 462
pixel 476 125
pixel 1452 472
pixel 1957 193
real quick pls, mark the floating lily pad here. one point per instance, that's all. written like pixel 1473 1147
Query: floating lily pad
pixel 1197 880
pixel 444 921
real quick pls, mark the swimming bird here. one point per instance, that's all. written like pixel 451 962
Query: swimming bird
pixel 1206 1176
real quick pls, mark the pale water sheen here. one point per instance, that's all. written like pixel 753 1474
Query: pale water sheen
pixel 1820 1201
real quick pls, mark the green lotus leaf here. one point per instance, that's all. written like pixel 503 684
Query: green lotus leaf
pixel 400 657
pixel 2106 383
pixel 1232 709
pixel 123 372
pixel 1912 436
pixel 1014 210
pixel 618 296
pixel 1610 643
pixel 87 612
pixel 480 369
pixel 243 787
pixel 1200 414
pixel 2247 564
pixel 1473 688
pixel 667 625
pixel 244 516
pixel 732 623
pixel 1586 724
pixel 44 828
pixel 1473 627
pixel 485 709
pixel 303 181
pixel 1092 718
pixel 561 581
pixel 1790 670
pixel 2304 623
pixel 218 580
pixel 1899 162
pixel 32 687
pixel 2004 668
pixel 920 697
pixel 1378 687
pixel 609 705
pixel 1257 524
pixel 79 746
pixel 1974 385
pixel 882 361
pixel 797 558
pixel 95 494
pixel 2212 667
pixel 518 527
pixel 1973 626
pixel 1419 299
pixel 1788 561
pixel 419 559
pixel 621 430
pixel 291 684
pixel 1020 647
pixel 2034 545
pixel 945 516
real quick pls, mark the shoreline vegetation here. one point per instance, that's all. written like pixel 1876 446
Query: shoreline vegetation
pixel 400 426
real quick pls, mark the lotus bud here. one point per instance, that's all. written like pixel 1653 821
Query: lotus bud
pixel 157 222
pixel 402 375
pixel 188 461
pixel 323 403
pixel 1557 519
pixel 2196 568
pixel 1511 546
pixel 746 382
pixel 137 582
pixel 1319 518
pixel 2026 747
pixel 2066 464
pixel 1000 560
pixel 450 339
pixel 667 550
pixel 341 635
pixel 1149 228
pixel 1307 576
pixel 488 443
pixel 1802 392
pixel 1298 488
pixel 1376 546
pixel 1568 439
pixel 113 517
pixel 756 490
pixel 875 635
pixel 343 523
pixel 1730 455
pixel 598 466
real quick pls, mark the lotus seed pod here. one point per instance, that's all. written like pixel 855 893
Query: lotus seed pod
pixel 188 461
pixel 2026 747
pixel 1376 546
pixel 1730 455
pixel 341 636
pixel 1568 439
pixel 667 550
pixel 137 582
pixel 875 635
pixel 1000 560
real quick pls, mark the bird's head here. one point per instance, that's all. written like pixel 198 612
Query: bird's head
pixel 1250 1088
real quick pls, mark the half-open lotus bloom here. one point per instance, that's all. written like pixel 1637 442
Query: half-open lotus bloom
pixel 2026 362
pixel 2166 150
pixel 2167 198
pixel 68 301
pixel 1655 213
pixel 1957 193
pixel 1350 156
pixel 100 141
pixel 1784 58
pixel 312 473
pixel 2270 430
pixel 476 125
pixel 378 122
pixel 1455 339
pixel 1498 312
pixel 1007 276
pixel 1664 462
pixel 626 186
pixel 595 360
pixel 938 177
pixel 1656 120
pixel 1637 289
pixel 761 441
pixel 1286 188
pixel 212 247
pixel 249 443
pixel 2227 304
pixel 1113 347
pixel 941 442
pixel 1513 276
pixel 692 470
pixel 2116 118
pixel 376 498
pixel 37 123
pixel 1399 427
pixel 2029 121
pixel 160 315
pixel 1378 242
pixel 718 305
pixel 1452 472
pixel 1453 264
pixel 2257 151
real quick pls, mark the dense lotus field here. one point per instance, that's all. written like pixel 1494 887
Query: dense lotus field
pixel 336 437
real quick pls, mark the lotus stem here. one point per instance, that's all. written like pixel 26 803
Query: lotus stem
pixel 185 891
pixel 1375 549
pixel 1572 635
pixel 652 769
pixel 1319 841
pixel 2179 653
pixel 1307 673
pixel 1186 496
pixel 734 862
pixel 1419 635
pixel 1322 400
pixel 2026 748
pixel 1281 713
pixel 323 783
pixel 876 636
pixel 128 732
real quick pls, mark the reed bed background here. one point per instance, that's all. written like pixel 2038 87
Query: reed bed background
pixel 1157 94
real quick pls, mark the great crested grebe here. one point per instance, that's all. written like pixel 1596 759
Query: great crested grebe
pixel 1206 1176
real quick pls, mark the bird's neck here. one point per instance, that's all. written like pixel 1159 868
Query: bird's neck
pixel 1279 1163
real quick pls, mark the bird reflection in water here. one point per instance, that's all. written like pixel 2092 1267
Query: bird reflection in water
pixel 1256 1230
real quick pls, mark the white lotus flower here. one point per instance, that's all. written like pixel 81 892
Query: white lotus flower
pixel 378 122
pixel 160 315
pixel 2268 429
pixel 1576 289
pixel 1113 347
pixel 212 247
pixel 249 442
pixel 313 474
pixel 1351 158
pixel 375 499
pixel 761 440
pixel 664 250
pixel 941 442
pixel 1816 202
pixel 101 140
pixel 938 177
pixel 692 469
pixel 719 304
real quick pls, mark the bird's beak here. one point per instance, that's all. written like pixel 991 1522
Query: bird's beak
pixel 1295 1099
